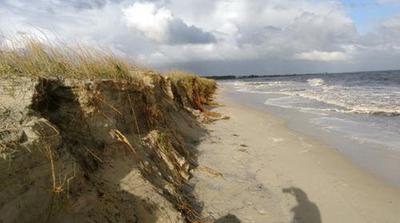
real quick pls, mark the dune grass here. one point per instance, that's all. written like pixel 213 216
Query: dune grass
pixel 33 58
pixel 204 86
pixel 193 89
pixel 58 60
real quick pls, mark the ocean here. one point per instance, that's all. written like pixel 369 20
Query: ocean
pixel 356 113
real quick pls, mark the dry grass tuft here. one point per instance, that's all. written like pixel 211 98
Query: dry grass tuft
pixel 208 86
pixel 192 89
pixel 58 60
pixel 59 183
pixel 117 135
pixel 210 171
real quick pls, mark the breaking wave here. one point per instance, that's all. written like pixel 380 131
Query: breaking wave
pixel 338 93
pixel 315 82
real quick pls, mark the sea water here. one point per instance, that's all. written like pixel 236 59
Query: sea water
pixel 357 113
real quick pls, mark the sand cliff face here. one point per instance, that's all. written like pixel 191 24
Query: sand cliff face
pixel 99 150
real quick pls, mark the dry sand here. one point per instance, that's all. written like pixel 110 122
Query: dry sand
pixel 254 169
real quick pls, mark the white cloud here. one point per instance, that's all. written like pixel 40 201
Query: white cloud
pixel 392 23
pixel 150 20
pixel 322 56
pixel 262 35
pixel 159 24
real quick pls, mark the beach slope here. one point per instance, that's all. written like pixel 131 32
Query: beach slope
pixel 254 169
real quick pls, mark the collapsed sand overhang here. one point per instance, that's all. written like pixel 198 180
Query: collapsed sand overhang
pixel 78 146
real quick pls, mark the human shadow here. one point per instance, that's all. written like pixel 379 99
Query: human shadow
pixel 229 218
pixel 305 211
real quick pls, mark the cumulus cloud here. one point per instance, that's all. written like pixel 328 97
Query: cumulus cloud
pixel 392 24
pixel 158 23
pixel 214 36
pixel 321 56
pixel 151 21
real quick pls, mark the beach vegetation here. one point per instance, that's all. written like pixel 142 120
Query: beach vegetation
pixel 31 57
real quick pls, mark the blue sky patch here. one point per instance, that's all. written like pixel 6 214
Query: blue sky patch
pixel 368 14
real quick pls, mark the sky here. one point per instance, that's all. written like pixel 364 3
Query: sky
pixel 221 37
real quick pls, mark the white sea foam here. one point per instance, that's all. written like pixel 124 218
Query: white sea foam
pixel 364 100
pixel 315 82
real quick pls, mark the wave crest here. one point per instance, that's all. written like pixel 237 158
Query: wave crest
pixel 315 82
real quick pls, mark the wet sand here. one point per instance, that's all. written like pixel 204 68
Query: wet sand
pixel 255 169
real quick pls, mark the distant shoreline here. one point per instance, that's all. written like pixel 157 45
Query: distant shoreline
pixel 254 76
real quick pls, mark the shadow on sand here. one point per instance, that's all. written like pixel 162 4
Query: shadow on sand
pixel 305 211
pixel 229 218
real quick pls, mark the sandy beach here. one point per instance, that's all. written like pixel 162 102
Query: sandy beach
pixel 253 168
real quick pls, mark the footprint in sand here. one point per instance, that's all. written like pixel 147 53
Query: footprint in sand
pixel 243 150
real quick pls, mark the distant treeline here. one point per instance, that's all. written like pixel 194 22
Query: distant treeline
pixel 231 77
pixel 225 77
